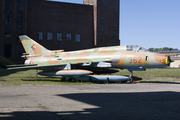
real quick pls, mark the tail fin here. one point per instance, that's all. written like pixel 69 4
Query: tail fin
pixel 32 48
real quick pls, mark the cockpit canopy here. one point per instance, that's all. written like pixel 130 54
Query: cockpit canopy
pixel 136 48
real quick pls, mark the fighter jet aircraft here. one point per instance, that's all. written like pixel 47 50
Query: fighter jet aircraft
pixel 89 64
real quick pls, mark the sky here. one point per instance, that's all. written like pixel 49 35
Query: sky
pixel 148 23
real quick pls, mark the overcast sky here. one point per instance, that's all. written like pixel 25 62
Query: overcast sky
pixel 148 23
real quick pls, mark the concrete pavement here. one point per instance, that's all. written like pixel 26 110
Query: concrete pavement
pixel 138 101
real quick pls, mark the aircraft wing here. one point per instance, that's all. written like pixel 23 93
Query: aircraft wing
pixel 51 64
pixel 33 66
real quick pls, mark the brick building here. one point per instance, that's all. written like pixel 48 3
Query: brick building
pixel 58 25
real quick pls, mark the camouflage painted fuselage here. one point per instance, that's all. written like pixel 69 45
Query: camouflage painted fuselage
pixel 105 57
pixel 85 62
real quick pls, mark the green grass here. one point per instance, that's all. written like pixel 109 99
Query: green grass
pixel 14 77
pixel 153 72
pixel 156 75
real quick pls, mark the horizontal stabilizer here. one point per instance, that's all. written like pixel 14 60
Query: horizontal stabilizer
pixel 28 56
pixel 57 51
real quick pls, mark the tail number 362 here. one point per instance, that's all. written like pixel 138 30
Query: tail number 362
pixel 135 60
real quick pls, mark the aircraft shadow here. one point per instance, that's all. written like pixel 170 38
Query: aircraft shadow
pixel 160 82
pixel 5 72
pixel 111 106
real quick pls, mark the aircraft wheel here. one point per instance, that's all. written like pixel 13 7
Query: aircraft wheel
pixel 90 80
pixel 107 80
pixel 63 79
pixel 130 81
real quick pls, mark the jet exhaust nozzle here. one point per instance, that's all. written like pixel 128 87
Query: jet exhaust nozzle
pixel 170 60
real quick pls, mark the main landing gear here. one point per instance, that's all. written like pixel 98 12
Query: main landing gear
pixel 130 78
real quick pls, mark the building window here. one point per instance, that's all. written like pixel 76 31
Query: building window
pixel 19 24
pixel 102 2
pixel 49 36
pixel 78 38
pixel 40 35
pixel 20 1
pixel 7 31
pixel 102 18
pixel 59 36
pixel 102 40
pixel 8 22
pixel 114 24
pixel 114 10
pixel 102 29
pixel 19 16
pixel 68 37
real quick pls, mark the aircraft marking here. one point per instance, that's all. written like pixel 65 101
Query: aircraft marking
pixel 135 60
pixel 33 47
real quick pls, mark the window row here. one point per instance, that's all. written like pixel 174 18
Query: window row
pixel 114 24
pixel 114 10
pixel 59 36
pixel 102 29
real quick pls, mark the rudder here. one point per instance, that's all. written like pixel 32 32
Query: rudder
pixel 33 48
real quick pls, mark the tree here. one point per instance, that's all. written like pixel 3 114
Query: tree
pixel 165 48
pixel 151 49
pixel 161 49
